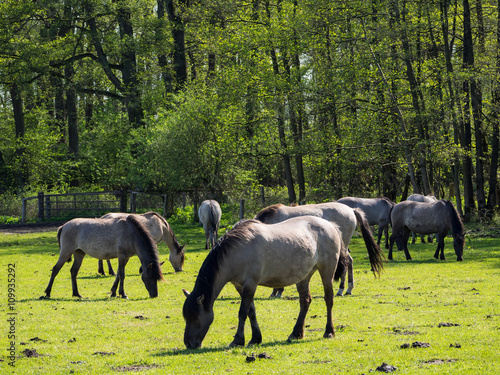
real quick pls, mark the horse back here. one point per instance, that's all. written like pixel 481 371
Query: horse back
pixel 421 217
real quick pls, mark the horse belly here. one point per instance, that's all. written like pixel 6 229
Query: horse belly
pixel 285 271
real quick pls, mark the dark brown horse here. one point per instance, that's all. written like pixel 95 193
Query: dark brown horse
pixel 435 217
pixel 107 239
pixel 275 255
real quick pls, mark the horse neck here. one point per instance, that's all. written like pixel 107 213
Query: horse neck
pixel 169 239
pixel 212 287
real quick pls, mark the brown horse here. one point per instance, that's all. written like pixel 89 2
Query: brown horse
pixel 106 239
pixel 160 230
pixel 277 255
pixel 345 217
pixel 434 217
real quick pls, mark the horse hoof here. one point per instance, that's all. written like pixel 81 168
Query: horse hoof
pixel 44 297
pixel 339 294
pixel 235 344
pixel 329 335
pixel 348 294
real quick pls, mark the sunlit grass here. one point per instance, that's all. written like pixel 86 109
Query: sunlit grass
pixel 99 335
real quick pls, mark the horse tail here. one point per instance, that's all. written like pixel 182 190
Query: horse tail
pixel 59 231
pixel 374 253
pixel 149 246
pixel 214 222
pixel 457 226
pixel 342 263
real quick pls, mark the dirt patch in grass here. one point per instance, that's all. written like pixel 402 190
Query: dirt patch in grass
pixel 135 368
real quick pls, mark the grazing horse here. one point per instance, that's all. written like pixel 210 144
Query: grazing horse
pixel 345 217
pixel 160 230
pixel 421 198
pixel 434 217
pixel 107 239
pixel 277 255
pixel 210 214
pixel 377 212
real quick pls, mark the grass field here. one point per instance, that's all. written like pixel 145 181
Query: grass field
pixel 448 313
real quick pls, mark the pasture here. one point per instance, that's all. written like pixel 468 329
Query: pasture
pixel 446 312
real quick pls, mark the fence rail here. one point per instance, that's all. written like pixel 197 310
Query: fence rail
pixel 50 206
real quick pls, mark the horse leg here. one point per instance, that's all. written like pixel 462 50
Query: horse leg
pixel 120 275
pixel 100 267
pixel 110 268
pixel 391 244
pixel 247 293
pixel 276 293
pixel 252 316
pixel 55 271
pixel 78 258
pixel 386 234
pixel 422 238
pixel 305 300
pixel 404 239
pixel 440 248
pixel 413 237
pixel 350 278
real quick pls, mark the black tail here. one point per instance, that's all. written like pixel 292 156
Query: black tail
pixel 342 264
pixel 457 226
pixel 374 253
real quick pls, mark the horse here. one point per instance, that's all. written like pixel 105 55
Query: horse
pixel 345 217
pixel 160 230
pixel 434 217
pixel 277 255
pixel 107 239
pixel 377 212
pixel 210 214
pixel 421 198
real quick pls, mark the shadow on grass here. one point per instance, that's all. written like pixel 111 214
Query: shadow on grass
pixel 201 351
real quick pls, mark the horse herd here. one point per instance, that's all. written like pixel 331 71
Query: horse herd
pixel 281 246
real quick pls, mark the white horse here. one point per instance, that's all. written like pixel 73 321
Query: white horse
pixel 210 214
pixel 345 217
pixel 277 255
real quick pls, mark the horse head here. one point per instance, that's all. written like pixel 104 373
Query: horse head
pixel 176 258
pixel 150 276
pixel 198 317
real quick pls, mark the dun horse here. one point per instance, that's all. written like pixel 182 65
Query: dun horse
pixel 345 217
pixel 277 255
pixel 377 212
pixel 421 198
pixel 439 217
pixel 107 239
pixel 210 214
pixel 160 230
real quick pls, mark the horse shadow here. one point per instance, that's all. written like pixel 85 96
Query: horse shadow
pixel 271 344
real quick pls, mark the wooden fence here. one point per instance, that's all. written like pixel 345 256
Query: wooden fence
pixel 94 204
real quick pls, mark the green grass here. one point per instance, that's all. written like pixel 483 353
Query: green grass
pixel 100 335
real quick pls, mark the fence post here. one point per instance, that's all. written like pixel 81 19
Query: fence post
pixel 23 210
pixel 48 212
pixel 164 196
pixel 242 209
pixel 132 202
pixel 123 201
pixel 40 206
pixel 262 196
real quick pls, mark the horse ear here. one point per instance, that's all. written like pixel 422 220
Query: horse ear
pixel 200 299
pixel 186 293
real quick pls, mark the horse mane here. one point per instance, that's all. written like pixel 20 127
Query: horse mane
pixel 149 246
pixel 212 264
pixel 268 212
pixel 457 226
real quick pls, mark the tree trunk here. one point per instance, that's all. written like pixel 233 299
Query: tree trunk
pixel 17 107
pixel 180 65
pixel 468 62
pixel 493 179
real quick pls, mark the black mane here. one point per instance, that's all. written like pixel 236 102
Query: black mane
pixel 211 266
pixel 267 212
pixel 149 247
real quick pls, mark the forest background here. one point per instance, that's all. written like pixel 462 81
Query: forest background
pixel 321 99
